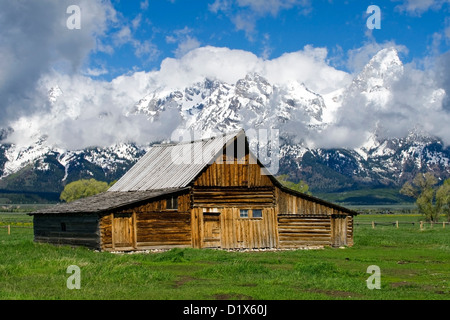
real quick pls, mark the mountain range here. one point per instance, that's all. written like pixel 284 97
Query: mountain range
pixel 253 103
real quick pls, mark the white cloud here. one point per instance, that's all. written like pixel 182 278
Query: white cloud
pixel 219 5
pixel 272 7
pixel 245 13
pixel 307 66
pixel 418 7
pixel 267 50
pixel 207 62
pixel 95 112
pixel 144 5
pixel 123 36
pixel 136 22
pixel 390 106
pixel 95 72
pixel 359 57
pixel 186 45
pixel 35 39
pixel 144 49
pixel 186 42
pixel 245 22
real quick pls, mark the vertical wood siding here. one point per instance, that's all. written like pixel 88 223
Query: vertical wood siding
pixel 233 173
pixel 236 232
pixel 350 231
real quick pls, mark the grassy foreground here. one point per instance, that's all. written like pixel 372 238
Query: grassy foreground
pixel 414 264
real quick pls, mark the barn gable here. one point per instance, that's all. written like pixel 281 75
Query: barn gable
pixel 173 165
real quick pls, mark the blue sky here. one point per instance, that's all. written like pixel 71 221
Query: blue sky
pixel 169 28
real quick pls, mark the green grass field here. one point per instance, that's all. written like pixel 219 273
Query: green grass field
pixel 414 264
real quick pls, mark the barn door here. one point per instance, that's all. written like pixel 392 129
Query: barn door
pixel 339 231
pixel 211 230
pixel 123 231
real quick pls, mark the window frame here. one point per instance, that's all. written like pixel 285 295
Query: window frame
pixel 260 210
pixel 250 214
pixel 246 216
pixel 173 201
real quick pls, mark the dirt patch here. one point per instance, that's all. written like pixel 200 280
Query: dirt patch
pixel 440 292
pixel 336 293
pixel 231 296
pixel 183 280
pixel 402 284
pixel 249 285
pixel 407 261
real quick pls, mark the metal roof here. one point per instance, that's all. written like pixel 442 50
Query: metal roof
pixel 173 165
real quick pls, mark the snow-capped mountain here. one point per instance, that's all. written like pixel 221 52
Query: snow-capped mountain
pixel 213 106
pixel 44 169
pixel 375 81
pixel 384 162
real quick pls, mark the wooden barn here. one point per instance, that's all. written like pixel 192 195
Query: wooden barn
pixel 210 193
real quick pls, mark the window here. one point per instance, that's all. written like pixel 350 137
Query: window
pixel 172 203
pixel 251 213
pixel 244 213
pixel 257 213
pixel 63 226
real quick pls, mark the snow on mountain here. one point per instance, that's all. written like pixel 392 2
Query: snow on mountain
pixel 333 101
pixel 18 157
pixel 108 163
pixel 213 106
pixel 374 82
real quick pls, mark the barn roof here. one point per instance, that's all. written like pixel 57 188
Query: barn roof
pixel 173 165
pixel 106 201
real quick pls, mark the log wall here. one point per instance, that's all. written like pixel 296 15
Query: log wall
pixel 304 230
pixel 163 229
pixel 153 225
pixel 72 230
pixel 302 221
pixel 233 197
